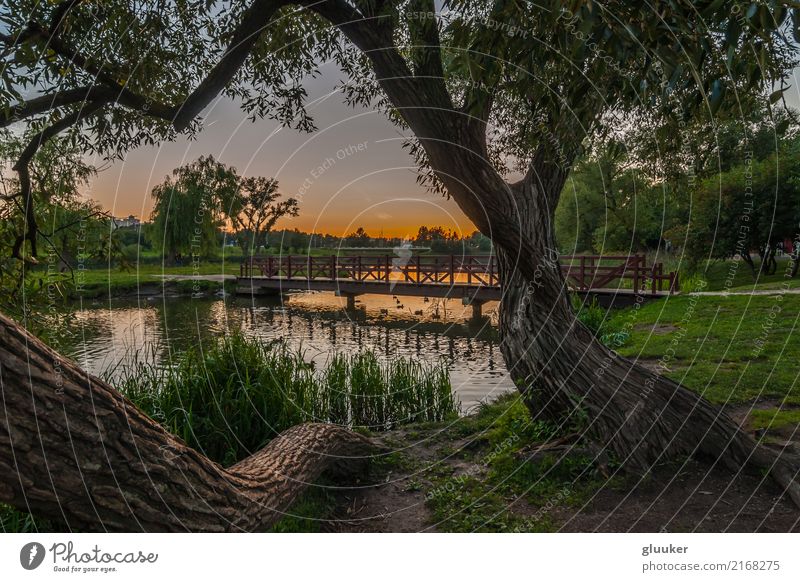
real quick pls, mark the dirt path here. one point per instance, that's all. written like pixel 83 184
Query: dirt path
pixel 689 497
pixel 791 291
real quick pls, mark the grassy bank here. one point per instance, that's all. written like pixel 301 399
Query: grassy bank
pixel 486 473
pixel 116 282
pixel 735 275
pixel 731 349
pixel 490 478
pixel 481 472
pixel 150 277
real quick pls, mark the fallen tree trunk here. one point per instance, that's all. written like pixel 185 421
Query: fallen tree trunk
pixel 75 450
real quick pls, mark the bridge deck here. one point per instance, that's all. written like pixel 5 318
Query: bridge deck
pixel 474 279
pixel 606 297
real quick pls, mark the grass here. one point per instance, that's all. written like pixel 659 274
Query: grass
pixel 735 275
pixel 731 349
pixel 116 281
pixel 103 281
pixel 504 488
pixel 774 418
pixel 230 398
pixel 308 513
pixel 13 521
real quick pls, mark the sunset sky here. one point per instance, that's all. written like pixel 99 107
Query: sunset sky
pixel 371 181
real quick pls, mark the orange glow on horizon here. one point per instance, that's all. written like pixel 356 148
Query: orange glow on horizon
pixel 386 229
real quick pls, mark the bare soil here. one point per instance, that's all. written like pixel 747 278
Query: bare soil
pixel 694 496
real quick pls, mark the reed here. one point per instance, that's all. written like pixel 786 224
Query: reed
pixel 229 398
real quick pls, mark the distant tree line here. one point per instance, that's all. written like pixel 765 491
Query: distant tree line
pixel 737 198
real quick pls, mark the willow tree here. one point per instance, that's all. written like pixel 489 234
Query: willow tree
pixel 192 206
pixel 486 91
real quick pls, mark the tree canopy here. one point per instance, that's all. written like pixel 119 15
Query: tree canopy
pixel 516 81
pixel 628 194
pixel 259 205
pixel 497 99
pixel 201 198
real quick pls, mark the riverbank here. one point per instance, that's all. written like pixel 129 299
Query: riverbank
pixel 499 471
pixel 147 280
pixel 734 349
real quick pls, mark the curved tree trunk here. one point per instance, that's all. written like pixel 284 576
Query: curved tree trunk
pixel 563 370
pixel 75 450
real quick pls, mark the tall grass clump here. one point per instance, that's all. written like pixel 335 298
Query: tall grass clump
pixel 364 392
pixel 599 323
pixel 15 521
pixel 589 313
pixel 231 397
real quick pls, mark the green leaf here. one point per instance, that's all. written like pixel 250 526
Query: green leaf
pixel 732 33
pixel 717 94
pixel 796 24
pixel 776 96
pixel 782 126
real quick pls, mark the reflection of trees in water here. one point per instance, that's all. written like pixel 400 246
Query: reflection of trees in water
pixel 423 340
pixel 105 336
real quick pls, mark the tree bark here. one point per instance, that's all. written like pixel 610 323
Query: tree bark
pixel 75 450
pixel 749 260
pixel 562 370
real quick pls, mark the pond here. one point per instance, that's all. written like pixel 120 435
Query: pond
pixel 105 336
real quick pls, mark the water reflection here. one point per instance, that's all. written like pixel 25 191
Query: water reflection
pixel 103 337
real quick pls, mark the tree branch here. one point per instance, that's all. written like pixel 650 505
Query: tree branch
pixel 426 48
pixel 254 20
pixel 60 14
pixel 23 170
pixel 49 102
pixel 122 94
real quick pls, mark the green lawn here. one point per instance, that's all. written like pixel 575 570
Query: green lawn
pixel 728 348
pixel 737 276
pixel 98 281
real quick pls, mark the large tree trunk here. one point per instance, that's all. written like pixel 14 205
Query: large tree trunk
pixel 562 370
pixel 75 450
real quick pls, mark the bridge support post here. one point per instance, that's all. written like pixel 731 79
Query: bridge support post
pixel 477 310
pixel 351 299
pixel 477 307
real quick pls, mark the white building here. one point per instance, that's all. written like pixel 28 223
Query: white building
pixel 126 222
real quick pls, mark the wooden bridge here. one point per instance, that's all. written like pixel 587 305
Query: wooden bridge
pixel 613 279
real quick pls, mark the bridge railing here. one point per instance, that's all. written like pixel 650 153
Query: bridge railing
pixel 585 272
pixel 582 272
pixel 427 269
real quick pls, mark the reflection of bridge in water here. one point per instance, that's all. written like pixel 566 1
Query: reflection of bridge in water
pixel 613 279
